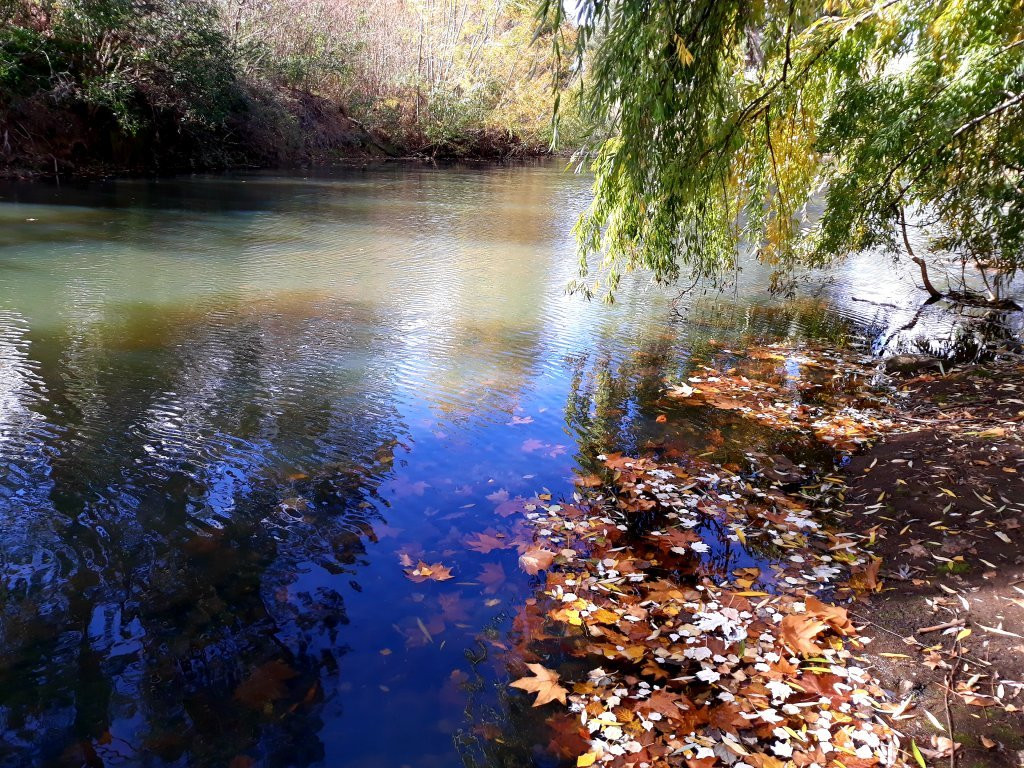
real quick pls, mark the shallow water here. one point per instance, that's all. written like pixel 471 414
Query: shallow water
pixel 228 406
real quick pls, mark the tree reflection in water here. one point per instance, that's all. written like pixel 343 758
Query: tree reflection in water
pixel 152 599
pixel 227 407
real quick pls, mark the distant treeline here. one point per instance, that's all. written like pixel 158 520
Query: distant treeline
pixel 95 85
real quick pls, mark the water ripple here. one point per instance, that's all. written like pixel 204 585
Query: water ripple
pixel 227 407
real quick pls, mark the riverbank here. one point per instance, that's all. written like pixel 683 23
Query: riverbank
pixel 108 88
pixel 291 129
pixel 233 404
pixel 945 499
pixel 792 612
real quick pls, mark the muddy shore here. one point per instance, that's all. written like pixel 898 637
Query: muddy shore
pixel 859 610
pixel 946 503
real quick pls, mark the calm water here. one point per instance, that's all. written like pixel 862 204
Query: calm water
pixel 227 407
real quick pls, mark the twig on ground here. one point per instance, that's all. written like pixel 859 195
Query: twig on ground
pixel 939 627
pixel 950 681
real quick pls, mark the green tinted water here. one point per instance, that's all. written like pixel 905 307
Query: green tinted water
pixel 227 407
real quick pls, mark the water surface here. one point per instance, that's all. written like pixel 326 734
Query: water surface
pixel 229 405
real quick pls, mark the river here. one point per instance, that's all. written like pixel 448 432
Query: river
pixel 229 406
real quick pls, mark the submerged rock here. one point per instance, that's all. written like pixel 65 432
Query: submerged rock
pixel 780 469
pixel 910 365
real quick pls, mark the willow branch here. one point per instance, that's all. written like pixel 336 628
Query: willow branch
pixel 997 109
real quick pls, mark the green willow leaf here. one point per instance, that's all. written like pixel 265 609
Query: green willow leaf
pixel 801 131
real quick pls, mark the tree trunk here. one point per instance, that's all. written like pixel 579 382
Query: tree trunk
pixel 932 290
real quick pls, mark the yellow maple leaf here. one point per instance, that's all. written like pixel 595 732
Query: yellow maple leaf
pixel 799 632
pixel 544 683
pixel 423 572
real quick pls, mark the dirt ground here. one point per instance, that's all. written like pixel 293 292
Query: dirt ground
pixel 944 498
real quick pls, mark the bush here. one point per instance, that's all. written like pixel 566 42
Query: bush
pixel 153 84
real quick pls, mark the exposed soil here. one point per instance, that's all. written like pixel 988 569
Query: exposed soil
pixel 946 503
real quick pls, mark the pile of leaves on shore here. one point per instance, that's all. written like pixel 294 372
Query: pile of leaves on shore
pixel 947 501
pixel 693 615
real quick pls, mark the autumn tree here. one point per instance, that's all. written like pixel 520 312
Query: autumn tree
pixel 805 130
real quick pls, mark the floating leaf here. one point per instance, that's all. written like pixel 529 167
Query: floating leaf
pixel 799 632
pixel 544 683
pixel 265 684
pixel 485 542
pixel 423 572
pixel 535 560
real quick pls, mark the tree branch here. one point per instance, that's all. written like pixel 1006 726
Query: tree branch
pixel 998 108
pixel 789 36
pixel 755 106
pixel 932 290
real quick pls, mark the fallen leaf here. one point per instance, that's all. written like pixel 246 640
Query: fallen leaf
pixel 537 559
pixel 544 683
pixel 917 754
pixel 423 572
pixel 484 543
pixel 799 632
pixel 265 684
pixel 492 577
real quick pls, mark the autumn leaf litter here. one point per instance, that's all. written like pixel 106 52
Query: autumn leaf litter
pixel 687 659
pixel 702 614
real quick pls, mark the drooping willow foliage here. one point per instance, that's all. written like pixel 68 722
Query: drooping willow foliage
pixel 803 129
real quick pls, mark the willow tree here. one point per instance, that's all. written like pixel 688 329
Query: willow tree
pixel 803 129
